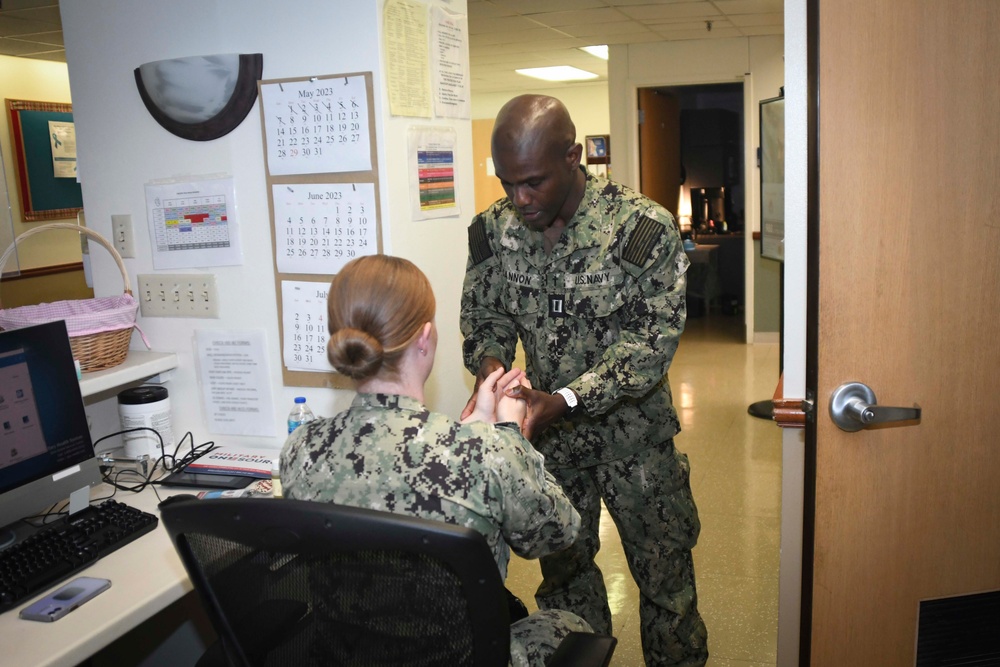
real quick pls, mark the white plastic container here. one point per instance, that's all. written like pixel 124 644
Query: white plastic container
pixel 147 407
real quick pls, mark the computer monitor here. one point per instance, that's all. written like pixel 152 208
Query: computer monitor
pixel 46 452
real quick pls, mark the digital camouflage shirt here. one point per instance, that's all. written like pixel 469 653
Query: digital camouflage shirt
pixel 391 453
pixel 601 314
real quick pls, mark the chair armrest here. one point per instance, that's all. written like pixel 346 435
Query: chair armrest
pixel 583 649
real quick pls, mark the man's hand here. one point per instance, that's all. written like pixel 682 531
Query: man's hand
pixel 486 368
pixel 510 409
pixel 544 409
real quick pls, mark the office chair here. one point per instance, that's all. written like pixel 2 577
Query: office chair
pixel 291 582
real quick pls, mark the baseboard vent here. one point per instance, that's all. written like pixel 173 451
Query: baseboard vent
pixel 961 631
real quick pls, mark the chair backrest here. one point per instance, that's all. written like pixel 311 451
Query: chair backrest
pixel 290 582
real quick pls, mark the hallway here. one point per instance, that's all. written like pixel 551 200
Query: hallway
pixel 736 479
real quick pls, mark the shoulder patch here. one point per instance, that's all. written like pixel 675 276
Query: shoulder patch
pixel 640 242
pixel 479 245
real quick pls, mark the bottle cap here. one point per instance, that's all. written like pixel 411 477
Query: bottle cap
pixel 142 395
pixel 300 399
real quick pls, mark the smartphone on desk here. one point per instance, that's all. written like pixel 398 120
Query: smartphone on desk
pixel 54 606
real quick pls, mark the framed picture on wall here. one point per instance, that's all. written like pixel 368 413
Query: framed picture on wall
pixel 44 149
pixel 772 178
pixel 598 149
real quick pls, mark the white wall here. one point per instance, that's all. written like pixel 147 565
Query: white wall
pixel 37 81
pixel 122 148
pixel 587 103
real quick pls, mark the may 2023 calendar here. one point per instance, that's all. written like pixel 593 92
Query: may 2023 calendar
pixel 317 125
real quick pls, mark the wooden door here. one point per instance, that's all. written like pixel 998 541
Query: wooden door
pixel 488 188
pixel 660 147
pixel 907 282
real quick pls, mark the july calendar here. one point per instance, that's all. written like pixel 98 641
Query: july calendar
pixel 303 319
pixel 319 227
pixel 317 126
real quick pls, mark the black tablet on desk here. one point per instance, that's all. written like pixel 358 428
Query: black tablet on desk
pixel 207 481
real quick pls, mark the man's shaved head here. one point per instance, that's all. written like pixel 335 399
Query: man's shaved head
pixel 534 120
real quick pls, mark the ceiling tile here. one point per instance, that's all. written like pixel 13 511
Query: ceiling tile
pixel 675 10
pixel 750 6
pixel 742 20
pixel 14 25
pixel 44 38
pixel 557 19
pixel 13 47
pixel 591 30
pixel 484 26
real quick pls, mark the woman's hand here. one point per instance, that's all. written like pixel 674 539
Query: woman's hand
pixel 512 408
pixel 486 368
pixel 490 391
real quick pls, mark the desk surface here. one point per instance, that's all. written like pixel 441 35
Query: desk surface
pixel 146 576
pixel 702 253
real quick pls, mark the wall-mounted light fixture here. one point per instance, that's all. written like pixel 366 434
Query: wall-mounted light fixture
pixel 200 97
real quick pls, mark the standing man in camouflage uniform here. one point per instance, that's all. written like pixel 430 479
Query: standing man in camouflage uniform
pixel 590 276
pixel 388 452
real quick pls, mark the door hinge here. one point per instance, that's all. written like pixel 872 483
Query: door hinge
pixel 642 116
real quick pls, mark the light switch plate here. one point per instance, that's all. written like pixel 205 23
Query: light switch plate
pixel 178 295
pixel 124 235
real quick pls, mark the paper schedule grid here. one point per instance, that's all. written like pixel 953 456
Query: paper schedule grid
pixel 186 223
pixel 320 227
pixel 193 223
pixel 304 321
pixel 317 126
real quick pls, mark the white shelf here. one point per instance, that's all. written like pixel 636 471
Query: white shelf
pixel 138 365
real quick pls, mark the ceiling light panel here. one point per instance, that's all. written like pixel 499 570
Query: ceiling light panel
pixel 558 73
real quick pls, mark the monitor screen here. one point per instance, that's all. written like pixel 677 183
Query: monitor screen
pixel 45 446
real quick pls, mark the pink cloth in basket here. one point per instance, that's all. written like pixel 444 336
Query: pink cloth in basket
pixel 83 316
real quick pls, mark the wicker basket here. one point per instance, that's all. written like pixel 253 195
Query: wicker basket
pixel 99 329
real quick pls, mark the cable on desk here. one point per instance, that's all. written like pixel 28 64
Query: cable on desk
pixel 165 463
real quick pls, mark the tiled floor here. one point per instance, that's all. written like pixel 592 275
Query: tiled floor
pixel 736 479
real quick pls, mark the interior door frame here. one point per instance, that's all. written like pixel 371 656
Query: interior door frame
pixel 751 176
pixel 811 329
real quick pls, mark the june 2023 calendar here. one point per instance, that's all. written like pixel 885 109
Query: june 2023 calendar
pixel 319 227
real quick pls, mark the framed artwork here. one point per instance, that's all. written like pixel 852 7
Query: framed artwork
pixel 598 149
pixel 772 178
pixel 44 148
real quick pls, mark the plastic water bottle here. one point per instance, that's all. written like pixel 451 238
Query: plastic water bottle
pixel 300 414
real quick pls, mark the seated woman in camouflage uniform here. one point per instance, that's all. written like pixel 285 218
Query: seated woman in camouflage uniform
pixel 389 452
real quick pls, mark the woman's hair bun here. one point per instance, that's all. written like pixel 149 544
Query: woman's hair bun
pixel 355 353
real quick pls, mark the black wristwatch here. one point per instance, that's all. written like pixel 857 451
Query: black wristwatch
pixel 572 402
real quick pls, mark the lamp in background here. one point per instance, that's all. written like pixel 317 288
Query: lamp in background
pixel 684 210
pixel 200 97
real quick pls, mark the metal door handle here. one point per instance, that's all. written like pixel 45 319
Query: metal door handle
pixel 853 407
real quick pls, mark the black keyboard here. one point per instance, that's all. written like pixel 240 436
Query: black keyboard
pixel 64 547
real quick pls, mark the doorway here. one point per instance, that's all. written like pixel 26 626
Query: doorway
pixel 691 162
